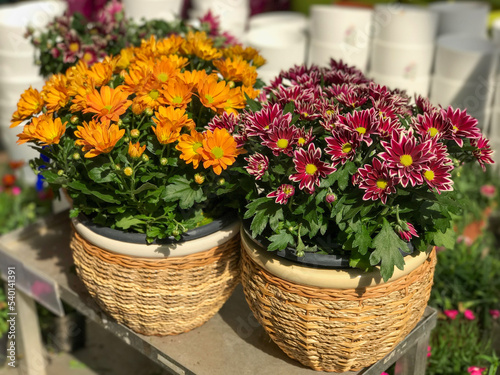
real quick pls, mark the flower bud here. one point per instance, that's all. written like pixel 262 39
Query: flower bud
pixel 119 122
pixel 126 139
pixel 199 178
pixel 60 172
pixel 145 158
pixel 118 167
pixel 134 133
pixel 148 111
pixel 73 119
pixel 176 232
pixel 231 84
pixel 128 171
pixel 76 156
pixel 330 198
pixel 163 161
pixel 221 181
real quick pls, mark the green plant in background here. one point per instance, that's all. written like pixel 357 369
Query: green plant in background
pixel 3 312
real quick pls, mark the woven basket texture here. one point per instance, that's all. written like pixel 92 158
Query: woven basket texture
pixel 337 330
pixel 164 296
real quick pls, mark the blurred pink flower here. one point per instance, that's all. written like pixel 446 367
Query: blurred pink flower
pixel 469 315
pixel 488 190
pixel 16 190
pixel 465 239
pixel 384 373
pixel 428 351
pixel 495 314
pixel 474 370
pixel 452 314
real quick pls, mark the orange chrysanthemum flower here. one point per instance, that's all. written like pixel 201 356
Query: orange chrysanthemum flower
pixel 101 72
pixel 98 137
pixel 150 95
pixel 248 54
pixel 44 130
pixel 177 116
pixel 190 147
pixel 170 45
pixel 213 94
pixel 125 58
pixel 108 103
pixel 195 77
pixel 177 93
pixel 235 101
pixel 165 69
pixel 137 76
pixel 166 130
pixel 30 103
pixel 55 93
pixel 135 150
pixel 200 45
pixel 238 70
pixel 219 150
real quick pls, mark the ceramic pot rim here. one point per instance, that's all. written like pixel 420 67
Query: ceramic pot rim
pixel 341 278
pixel 219 232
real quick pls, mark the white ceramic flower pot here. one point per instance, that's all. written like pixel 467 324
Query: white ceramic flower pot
pixel 320 54
pixel 18 64
pixel 464 17
pixel 285 19
pixel 11 87
pixel 414 85
pixel 166 10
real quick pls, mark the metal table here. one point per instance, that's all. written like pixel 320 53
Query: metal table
pixel 231 342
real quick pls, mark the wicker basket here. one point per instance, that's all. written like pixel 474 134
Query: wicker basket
pixel 159 296
pixel 336 330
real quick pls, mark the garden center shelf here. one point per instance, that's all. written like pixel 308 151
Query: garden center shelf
pixel 229 343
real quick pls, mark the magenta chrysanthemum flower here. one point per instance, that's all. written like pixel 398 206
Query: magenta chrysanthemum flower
pixel 303 137
pixel 269 117
pixel 342 145
pixel 364 123
pixel 388 127
pixel 483 153
pixel 348 95
pixel 488 190
pixel 257 165
pixel 307 110
pixel 433 125
pixel 407 235
pixel 474 370
pixel 377 181
pixel 424 104
pixel 451 314
pixel 229 122
pixel 310 168
pixel 283 193
pixel 463 125
pixel 437 175
pixel 469 315
pixel 405 157
pixel 281 140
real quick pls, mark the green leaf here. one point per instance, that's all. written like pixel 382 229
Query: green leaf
pixel 128 221
pixel 253 104
pixel 446 240
pixel 280 241
pixel 387 244
pixel 289 108
pixel 77 185
pixel 180 189
pixel 101 174
pixel 362 240
pixel 146 186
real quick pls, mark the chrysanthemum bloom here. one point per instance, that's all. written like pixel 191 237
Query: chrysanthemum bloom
pixel 98 137
pixel 101 72
pixel 30 103
pixel 166 131
pixel 307 110
pixel 55 92
pixel 136 150
pixel 495 314
pixel 190 147
pixel 237 70
pixel 347 95
pixel 198 43
pixel 488 190
pixel 269 117
pixel 150 95
pixel 376 179
pixel 342 145
pixel 474 370
pixel 219 150
pixel 484 152
pixel 437 175
pixel 195 77
pixel 469 315
pixel 175 116
pixel 44 130
pixel 281 140
pixel 407 235
pixel 212 93
pixel 257 165
pixel 234 102
pixel 164 69
pixel 170 45
pixel 405 157
pixel 364 123
pixel 108 103
pixel 433 125
pixel 283 193
pixel 309 167
pixel 8 180
pixel 177 93
pixel 451 314
pixel 463 125
pixel 228 121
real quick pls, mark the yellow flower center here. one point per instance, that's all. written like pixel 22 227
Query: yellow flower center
pixel 346 148
pixel 305 114
pixel 209 98
pixel 406 160
pixel 108 107
pixel 177 99
pixel 288 190
pixel 433 131
pixel 87 57
pixel 361 130
pixel 218 152
pixel 301 141
pixel 153 94
pixel 429 175
pixel 455 128
pixel 74 47
pixel 381 184
pixel 311 169
pixel 163 77
pixel 282 143
pixel 196 146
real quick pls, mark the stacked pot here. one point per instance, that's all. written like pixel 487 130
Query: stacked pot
pixel 166 10
pixel 233 15
pixel 340 32
pixel 281 38
pixel 463 17
pixel 17 68
pixel 403 47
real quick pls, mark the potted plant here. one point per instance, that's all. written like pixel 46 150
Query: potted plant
pixel 348 188
pixel 155 241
